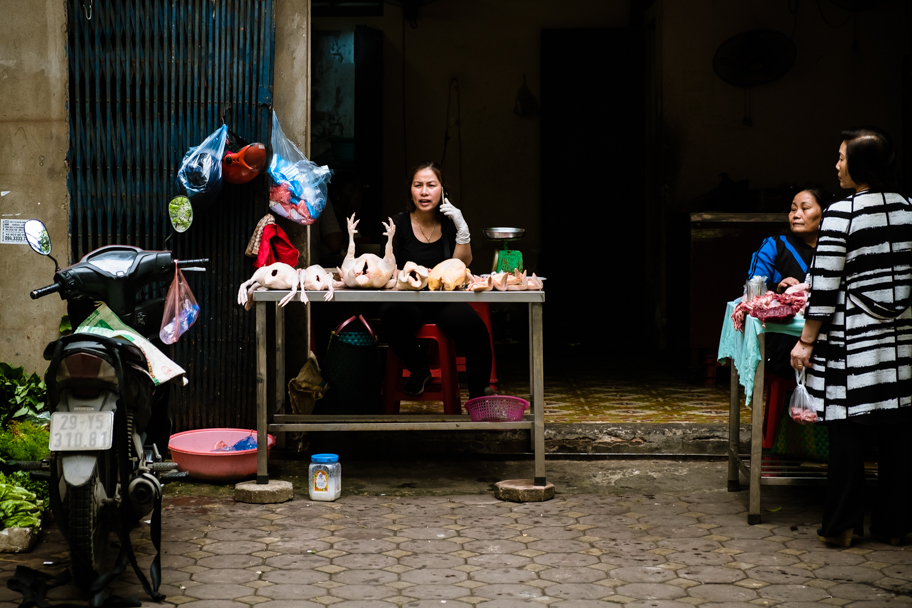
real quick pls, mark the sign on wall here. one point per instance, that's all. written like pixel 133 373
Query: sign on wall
pixel 12 232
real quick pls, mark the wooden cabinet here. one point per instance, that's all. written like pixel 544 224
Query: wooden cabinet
pixel 721 245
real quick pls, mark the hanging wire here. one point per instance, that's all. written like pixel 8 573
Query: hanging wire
pixel 835 27
pixel 88 9
pixel 454 87
pixel 748 117
pixel 794 12
pixel 404 130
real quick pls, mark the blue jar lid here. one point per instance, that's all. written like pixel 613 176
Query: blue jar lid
pixel 324 458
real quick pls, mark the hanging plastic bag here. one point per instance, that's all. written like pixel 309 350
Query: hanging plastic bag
pixel 297 186
pixel 800 407
pixel 200 172
pixel 181 309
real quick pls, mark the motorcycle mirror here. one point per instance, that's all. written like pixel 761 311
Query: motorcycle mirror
pixel 37 236
pixel 181 213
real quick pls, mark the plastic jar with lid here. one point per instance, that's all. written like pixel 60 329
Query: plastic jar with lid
pixel 325 475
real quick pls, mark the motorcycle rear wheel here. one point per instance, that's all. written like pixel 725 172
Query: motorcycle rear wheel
pixel 88 528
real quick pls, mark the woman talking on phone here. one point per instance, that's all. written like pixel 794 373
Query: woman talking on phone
pixel 429 231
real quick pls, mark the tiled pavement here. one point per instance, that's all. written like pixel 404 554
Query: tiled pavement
pixel 635 549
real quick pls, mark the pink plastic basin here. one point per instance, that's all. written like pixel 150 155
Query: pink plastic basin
pixel 192 451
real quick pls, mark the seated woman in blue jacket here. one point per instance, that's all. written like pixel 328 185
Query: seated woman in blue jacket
pixel 784 260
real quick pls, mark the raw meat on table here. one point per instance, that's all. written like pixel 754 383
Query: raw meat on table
pixel 766 304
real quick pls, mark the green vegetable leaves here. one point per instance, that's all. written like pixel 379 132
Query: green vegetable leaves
pixel 19 508
pixel 21 396
pixel 24 440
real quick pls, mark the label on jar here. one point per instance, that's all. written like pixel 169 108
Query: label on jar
pixel 321 481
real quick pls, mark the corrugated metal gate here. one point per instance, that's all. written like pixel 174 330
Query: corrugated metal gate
pixel 147 80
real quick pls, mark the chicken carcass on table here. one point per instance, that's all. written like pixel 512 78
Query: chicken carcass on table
pixel 317 278
pixel 412 277
pixel 479 283
pixel 368 270
pixel 274 276
pixel 771 307
pixel 448 275
pixel 504 281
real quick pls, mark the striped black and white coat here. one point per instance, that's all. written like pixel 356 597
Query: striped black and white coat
pixel 863 358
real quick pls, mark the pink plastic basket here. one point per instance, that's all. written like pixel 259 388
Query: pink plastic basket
pixel 496 408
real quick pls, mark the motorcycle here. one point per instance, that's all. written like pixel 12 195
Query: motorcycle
pixel 108 397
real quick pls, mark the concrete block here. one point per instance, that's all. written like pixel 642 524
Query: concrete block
pixel 523 490
pixel 263 494
pixel 15 540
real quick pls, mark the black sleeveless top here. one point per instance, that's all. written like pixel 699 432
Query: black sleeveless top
pixel 408 247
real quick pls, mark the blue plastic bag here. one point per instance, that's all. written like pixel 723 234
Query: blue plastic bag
pixel 200 172
pixel 297 188
pixel 247 443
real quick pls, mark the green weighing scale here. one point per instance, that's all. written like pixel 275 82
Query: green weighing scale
pixel 506 259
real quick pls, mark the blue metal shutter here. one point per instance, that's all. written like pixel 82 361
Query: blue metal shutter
pixel 147 80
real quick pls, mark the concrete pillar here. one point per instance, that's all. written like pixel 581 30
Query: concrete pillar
pixel 33 172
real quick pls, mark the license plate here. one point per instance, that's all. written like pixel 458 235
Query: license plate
pixel 81 431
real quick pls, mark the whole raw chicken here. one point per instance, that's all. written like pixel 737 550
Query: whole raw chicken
pixel 368 270
pixel 448 275
pixel 317 278
pixel 274 276
pixel 412 277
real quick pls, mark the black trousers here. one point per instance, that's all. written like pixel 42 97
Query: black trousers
pixel 400 320
pixel 846 492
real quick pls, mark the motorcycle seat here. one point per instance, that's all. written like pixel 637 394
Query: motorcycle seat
pixel 129 352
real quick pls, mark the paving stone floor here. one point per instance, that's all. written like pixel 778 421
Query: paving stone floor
pixel 579 550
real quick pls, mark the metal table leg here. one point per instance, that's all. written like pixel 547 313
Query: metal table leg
pixel 756 467
pixel 734 430
pixel 279 404
pixel 262 405
pixel 536 355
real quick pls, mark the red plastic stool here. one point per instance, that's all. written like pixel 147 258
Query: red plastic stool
pixel 443 385
pixel 775 401
pixel 484 311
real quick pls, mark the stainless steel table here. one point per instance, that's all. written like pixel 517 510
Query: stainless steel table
pixel 271 371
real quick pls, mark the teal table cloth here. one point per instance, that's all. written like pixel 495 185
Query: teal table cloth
pixel 743 349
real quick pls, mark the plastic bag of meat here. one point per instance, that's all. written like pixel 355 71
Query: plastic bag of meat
pixel 297 186
pixel 800 408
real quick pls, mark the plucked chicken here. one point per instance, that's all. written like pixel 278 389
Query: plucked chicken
pixel 368 270
pixel 274 276
pixel 479 283
pixel 505 281
pixel 317 278
pixel 412 277
pixel 448 275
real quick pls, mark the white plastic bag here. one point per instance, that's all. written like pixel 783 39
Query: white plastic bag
pixel 297 186
pixel 800 408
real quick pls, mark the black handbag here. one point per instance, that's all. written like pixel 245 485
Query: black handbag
pixel 351 369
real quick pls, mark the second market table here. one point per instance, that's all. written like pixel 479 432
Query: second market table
pixel 746 351
pixel 271 372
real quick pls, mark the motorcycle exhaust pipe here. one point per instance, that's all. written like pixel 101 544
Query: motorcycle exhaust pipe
pixel 143 490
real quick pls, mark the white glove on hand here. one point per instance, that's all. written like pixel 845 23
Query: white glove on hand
pixel 455 215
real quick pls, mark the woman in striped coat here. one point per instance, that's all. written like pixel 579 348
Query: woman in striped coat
pixel 857 342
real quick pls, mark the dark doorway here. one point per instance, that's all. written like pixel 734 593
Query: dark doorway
pixel 593 219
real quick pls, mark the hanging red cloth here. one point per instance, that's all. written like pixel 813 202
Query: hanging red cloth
pixel 275 247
